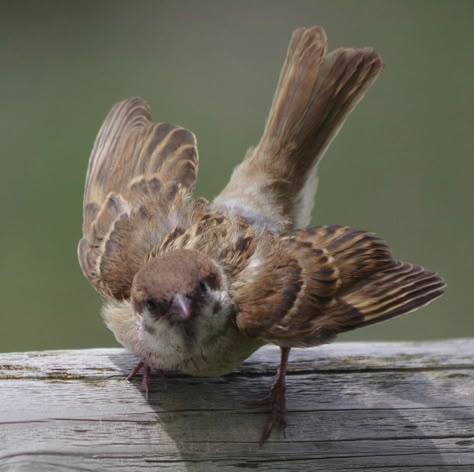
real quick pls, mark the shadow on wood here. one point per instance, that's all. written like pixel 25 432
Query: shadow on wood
pixel 351 406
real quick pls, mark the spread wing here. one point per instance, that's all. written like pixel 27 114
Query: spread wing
pixel 313 284
pixel 138 182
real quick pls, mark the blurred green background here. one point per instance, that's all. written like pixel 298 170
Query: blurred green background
pixel 401 167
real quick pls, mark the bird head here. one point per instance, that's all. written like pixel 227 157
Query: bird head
pixel 178 287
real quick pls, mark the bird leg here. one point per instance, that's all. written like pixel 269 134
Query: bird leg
pixel 275 398
pixel 142 364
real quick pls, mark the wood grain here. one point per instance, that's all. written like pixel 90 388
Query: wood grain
pixel 352 406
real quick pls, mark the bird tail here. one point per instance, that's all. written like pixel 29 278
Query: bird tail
pixel 315 94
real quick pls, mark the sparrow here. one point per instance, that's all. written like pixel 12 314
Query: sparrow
pixel 198 286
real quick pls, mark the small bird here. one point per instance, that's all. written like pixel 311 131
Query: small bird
pixel 198 286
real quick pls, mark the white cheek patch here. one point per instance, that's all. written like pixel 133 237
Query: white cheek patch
pixel 214 316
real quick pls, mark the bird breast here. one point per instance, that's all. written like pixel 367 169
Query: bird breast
pixel 199 348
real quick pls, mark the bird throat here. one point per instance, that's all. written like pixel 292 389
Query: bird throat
pixel 200 349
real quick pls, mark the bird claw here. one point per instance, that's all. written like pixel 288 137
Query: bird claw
pixel 277 417
pixel 145 378
pixel 276 398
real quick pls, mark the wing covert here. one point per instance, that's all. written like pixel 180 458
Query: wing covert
pixel 310 285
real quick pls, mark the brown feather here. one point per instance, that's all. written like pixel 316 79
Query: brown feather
pixel 174 272
pixel 138 182
pixel 130 146
pixel 275 184
pixel 230 241
pixel 240 266
pixel 326 280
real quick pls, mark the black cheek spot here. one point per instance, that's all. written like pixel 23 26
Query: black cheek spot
pixel 203 288
pixel 154 307
pixel 149 329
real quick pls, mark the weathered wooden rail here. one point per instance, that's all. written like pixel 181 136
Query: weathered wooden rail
pixel 352 406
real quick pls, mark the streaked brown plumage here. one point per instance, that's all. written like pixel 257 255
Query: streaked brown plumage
pixel 199 286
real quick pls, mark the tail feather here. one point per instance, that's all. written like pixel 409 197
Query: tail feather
pixel 296 86
pixel 276 182
pixel 312 103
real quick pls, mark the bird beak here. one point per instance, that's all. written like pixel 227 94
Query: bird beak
pixel 180 309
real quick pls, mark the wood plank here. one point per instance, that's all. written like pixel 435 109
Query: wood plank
pixel 352 406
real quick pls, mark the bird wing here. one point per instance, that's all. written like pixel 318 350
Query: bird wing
pixel 310 285
pixel 275 184
pixel 138 183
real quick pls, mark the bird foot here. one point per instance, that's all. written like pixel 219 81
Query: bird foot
pixel 276 398
pixel 142 364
